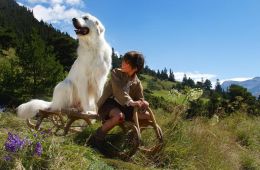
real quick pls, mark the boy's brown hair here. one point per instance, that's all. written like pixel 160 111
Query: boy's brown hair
pixel 135 60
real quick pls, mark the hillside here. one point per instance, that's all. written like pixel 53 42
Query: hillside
pixel 17 24
pixel 252 85
pixel 201 143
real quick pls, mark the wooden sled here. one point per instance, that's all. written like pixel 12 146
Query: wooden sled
pixel 125 139
pixel 61 121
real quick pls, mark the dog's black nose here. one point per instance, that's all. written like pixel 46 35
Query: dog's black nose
pixel 76 23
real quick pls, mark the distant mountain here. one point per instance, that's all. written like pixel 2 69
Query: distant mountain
pixel 252 85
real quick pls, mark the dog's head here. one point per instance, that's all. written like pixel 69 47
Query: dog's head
pixel 88 25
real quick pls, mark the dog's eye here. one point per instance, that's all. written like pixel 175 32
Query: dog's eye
pixel 96 23
pixel 85 18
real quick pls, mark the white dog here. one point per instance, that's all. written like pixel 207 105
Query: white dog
pixel 84 84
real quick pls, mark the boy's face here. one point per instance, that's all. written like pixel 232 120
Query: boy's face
pixel 127 68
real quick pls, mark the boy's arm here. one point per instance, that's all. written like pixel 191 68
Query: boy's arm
pixel 119 92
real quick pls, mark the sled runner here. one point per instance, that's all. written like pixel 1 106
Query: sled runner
pixel 125 139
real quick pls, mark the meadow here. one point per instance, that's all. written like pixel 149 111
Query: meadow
pixel 201 143
pixel 229 142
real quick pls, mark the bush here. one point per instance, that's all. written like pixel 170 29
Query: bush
pixel 159 102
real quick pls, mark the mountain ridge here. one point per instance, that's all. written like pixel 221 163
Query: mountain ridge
pixel 252 85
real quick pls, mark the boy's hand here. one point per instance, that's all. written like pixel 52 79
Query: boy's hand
pixel 145 104
pixel 136 103
pixel 140 104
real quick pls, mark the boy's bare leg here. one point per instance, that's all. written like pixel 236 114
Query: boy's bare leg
pixel 144 115
pixel 116 117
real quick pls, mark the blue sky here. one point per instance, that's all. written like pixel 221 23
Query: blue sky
pixel 201 38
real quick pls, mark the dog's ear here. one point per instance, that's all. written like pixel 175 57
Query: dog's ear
pixel 100 27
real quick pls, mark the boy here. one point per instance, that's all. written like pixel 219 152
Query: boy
pixel 121 94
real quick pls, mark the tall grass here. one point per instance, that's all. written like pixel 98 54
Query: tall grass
pixel 231 143
pixel 58 152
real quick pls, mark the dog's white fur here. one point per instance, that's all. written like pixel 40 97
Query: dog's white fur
pixel 85 81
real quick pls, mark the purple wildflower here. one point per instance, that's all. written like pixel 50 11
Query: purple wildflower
pixel 38 149
pixel 14 143
pixel 44 134
pixel 7 158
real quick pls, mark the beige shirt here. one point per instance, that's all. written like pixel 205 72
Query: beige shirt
pixel 122 87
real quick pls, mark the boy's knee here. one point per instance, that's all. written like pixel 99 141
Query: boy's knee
pixel 120 118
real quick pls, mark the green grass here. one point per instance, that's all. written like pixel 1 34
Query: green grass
pixel 198 144
pixel 163 84
pixel 59 152
pixel 232 143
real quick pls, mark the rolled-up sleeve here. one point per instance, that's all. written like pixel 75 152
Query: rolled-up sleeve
pixel 137 91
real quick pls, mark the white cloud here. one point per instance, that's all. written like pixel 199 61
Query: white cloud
pixel 236 79
pixel 37 1
pixel 196 76
pixel 54 2
pixel 117 53
pixel 73 2
pixel 56 13
pixel 20 4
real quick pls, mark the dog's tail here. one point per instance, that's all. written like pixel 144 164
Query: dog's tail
pixel 31 108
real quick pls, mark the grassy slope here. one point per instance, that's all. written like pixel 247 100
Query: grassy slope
pixel 232 143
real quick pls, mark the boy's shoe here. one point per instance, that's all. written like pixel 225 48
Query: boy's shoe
pixel 97 141
pixel 100 145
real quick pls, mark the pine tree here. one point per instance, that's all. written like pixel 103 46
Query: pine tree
pixel 207 84
pixel 148 71
pixel 10 93
pixel 190 83
pixel 116 60
pixel 199 84
pixel 7 38
pixel 18 22
pixel 164 75
pixel 158 74
pixel 184 80
pixel 40 70
pixel 171 76
pixel 218 87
